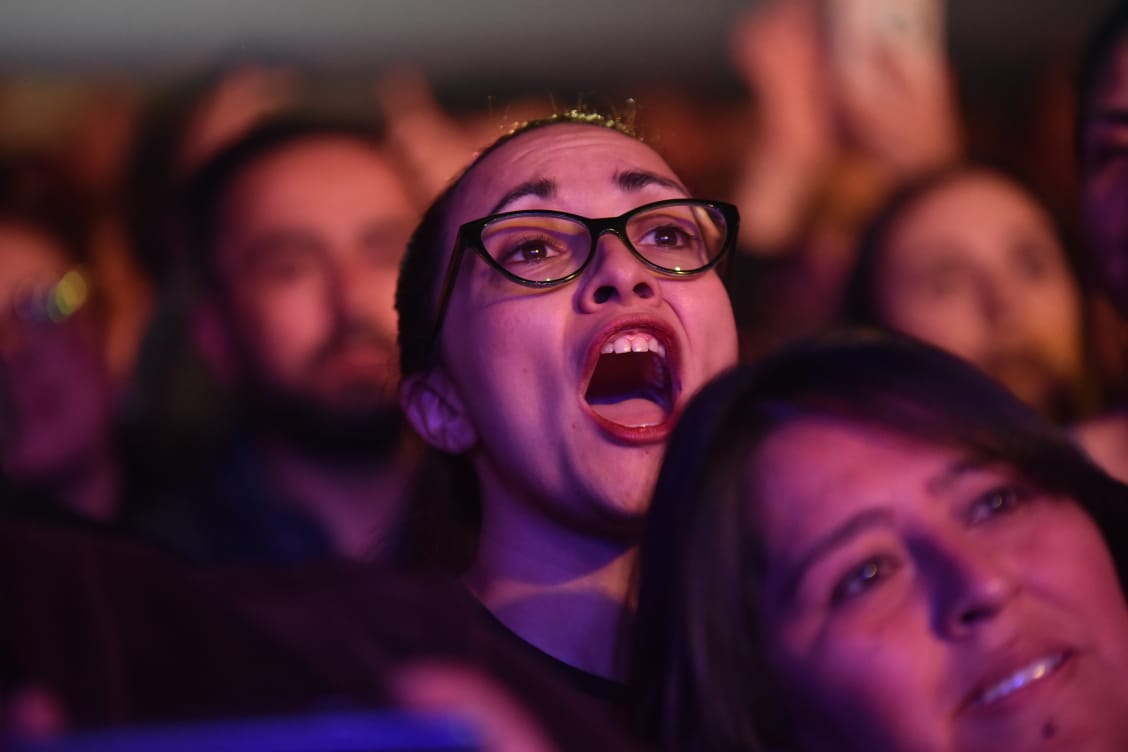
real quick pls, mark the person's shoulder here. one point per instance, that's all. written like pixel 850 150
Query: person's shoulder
pixel 413 610
pixel 80 551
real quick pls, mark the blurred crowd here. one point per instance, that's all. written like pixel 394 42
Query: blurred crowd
pixel 198 325
pixel 863 190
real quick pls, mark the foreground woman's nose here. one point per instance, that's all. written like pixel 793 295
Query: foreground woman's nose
pixel 971 585
pixel 616 275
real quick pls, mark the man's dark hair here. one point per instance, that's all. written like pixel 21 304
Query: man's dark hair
pixel 208 188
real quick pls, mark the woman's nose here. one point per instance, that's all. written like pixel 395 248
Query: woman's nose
pixel 617 275
pixel 971 584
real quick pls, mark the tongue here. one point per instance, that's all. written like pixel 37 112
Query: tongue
pixel 629 389
pixel 633 412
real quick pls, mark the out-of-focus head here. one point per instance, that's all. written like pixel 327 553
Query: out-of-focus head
pixel 563 386
pixel 866 544
pixel 970 261
pixel 299 228
pixel 1102 132
pixel 54 392
pixel 177 132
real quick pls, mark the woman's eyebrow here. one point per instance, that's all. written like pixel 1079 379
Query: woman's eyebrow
pixel 839 535
pixel 263 249
pixel 629 180
pixel 636 180
pixel 946 478
pixel 539 187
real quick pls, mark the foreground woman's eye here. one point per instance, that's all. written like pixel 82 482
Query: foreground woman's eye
pixel 863 578
pixel 669 236
pixel 532 250
pixel 1002 500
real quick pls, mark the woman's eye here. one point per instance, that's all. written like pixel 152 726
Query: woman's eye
pixel 863 578
pixel 997 501
pixel 529 251
pixel 668 236
pixel 1033 262
pixel 944 281
pixel 288 267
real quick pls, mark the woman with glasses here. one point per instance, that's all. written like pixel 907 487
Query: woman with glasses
pixel 559 303
pixel 866 544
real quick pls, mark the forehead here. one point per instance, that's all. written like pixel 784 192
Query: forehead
pixel 318 173
pixel 815 470
pixel 814 454
pixel 582 161
pixel 968 208
pixel 979 196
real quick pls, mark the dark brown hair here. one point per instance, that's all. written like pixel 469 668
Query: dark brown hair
pixel 209 187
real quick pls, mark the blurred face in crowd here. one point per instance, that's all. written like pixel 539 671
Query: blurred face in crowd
pixel 974 267
pixel 1104 145
pixel 54 394
pixel 917 597
pixel 567 394
pixel 311 239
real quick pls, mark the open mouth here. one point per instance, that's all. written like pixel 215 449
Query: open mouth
pixel 631 384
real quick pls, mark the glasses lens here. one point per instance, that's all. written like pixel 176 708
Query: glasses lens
pixel 537 248
pixel 682 237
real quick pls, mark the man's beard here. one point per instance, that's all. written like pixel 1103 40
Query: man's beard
pixel 361 427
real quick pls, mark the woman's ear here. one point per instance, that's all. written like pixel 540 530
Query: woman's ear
pixel 436 412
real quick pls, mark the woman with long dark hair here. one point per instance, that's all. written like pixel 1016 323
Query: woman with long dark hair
pixel 866 544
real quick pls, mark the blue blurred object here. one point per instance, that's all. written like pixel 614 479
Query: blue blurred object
pixel 328 732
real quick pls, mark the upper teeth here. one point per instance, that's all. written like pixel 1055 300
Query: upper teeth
pixel 634 343
pixel 1019 679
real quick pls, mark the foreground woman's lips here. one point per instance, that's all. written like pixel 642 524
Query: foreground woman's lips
pixel 1024 676
pixel 631 386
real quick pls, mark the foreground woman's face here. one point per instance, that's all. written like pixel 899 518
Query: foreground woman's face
pixel 524 360
pixel 918 598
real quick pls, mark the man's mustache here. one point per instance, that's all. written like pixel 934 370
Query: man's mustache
pixel 354 334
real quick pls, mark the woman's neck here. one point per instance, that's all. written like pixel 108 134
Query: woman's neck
pixel 565 593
